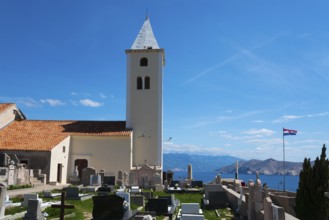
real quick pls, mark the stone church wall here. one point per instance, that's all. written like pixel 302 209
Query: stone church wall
pixel 7 116
pixel 107 153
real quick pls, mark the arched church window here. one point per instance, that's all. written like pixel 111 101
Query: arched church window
pixel 144 62
pixel 139 83
pixel 147 82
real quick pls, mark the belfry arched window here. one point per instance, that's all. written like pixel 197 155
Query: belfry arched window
pixel 139 83
pixel 147 82
pixel 144 61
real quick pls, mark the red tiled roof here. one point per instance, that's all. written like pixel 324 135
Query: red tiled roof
pixel 34 135
pixel 4 106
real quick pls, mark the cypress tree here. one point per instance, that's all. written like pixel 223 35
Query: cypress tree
pixel 313 182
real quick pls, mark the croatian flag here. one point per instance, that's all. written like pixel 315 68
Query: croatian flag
pixel 289 132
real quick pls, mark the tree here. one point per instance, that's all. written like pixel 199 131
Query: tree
pixel 313 182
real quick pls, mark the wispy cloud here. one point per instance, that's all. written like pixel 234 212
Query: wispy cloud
pixel 170 147
pixel 285 118
pixel 26 101
pixel 230 59
pixel 220 119
pixel 257 121
pixel 52 102
pixel 90 103
pixel 102 95
pixel 261 132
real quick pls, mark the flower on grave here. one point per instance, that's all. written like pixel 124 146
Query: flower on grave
pixel 176 185
pixel 125 205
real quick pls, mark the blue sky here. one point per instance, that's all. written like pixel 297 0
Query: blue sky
pixel 236 72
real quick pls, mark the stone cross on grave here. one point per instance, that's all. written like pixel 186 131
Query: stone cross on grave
pixel 62 206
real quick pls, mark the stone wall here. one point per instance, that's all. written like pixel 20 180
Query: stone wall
pixel 285 201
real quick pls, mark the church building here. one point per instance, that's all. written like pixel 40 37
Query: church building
pixel 59 147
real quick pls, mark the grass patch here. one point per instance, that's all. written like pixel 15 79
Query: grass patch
pixel 13 187
pixel 14 209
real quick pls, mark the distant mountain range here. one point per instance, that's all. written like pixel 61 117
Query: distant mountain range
pixel 227 164
pixel 267 167
pixel 179 162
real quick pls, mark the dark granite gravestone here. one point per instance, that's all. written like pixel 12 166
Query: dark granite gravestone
pixel 109 180
pixel 217 199
pixel 33 211
pixel 72 192
pixel 159 206
pixel 173 183
pixel 85 175
pixel 108 207
pixel 169 199
pixel 104 190
pixel 3 171
pixel 197 184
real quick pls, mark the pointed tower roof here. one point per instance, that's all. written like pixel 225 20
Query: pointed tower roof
pixel 145 38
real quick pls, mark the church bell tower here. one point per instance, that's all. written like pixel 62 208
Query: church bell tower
pixel 145 61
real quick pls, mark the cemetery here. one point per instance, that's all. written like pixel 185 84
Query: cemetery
pixel 219 199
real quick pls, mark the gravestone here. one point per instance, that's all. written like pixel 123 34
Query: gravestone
pixel 125 177
pixel 85 175
pixel 102 174
pixel 104 190
pixel 95 180
pixel 173 183
pixel 159 206
pixel 137 200
pixel 126 197
pixel 33 210
pixel 12 178
pixel 2 201
pixel 72 193
pixel 166 184
pixel 3 171
pixel 131 179
pixel 156 179
pixel 191 208
pixel 109 180
pixel 108 207
pixel 217 199
pixel 120 174
pixel 197 184
pixel 75 179
pixel 28 196
pixel 212 188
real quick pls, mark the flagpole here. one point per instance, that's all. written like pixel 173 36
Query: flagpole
pixel 284 164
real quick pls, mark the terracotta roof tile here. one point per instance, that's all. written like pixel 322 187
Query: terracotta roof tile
pixel 34 135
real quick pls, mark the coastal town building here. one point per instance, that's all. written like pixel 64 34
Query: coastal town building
pixel 59 148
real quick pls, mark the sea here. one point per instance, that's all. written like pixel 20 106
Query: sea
pixel 273 181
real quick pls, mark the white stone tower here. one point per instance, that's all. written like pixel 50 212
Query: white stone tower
pixel 145 61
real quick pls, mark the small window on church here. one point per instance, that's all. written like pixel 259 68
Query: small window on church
pixel 139 83
pixel 147 82
pixel 144 62
pixel 63 149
